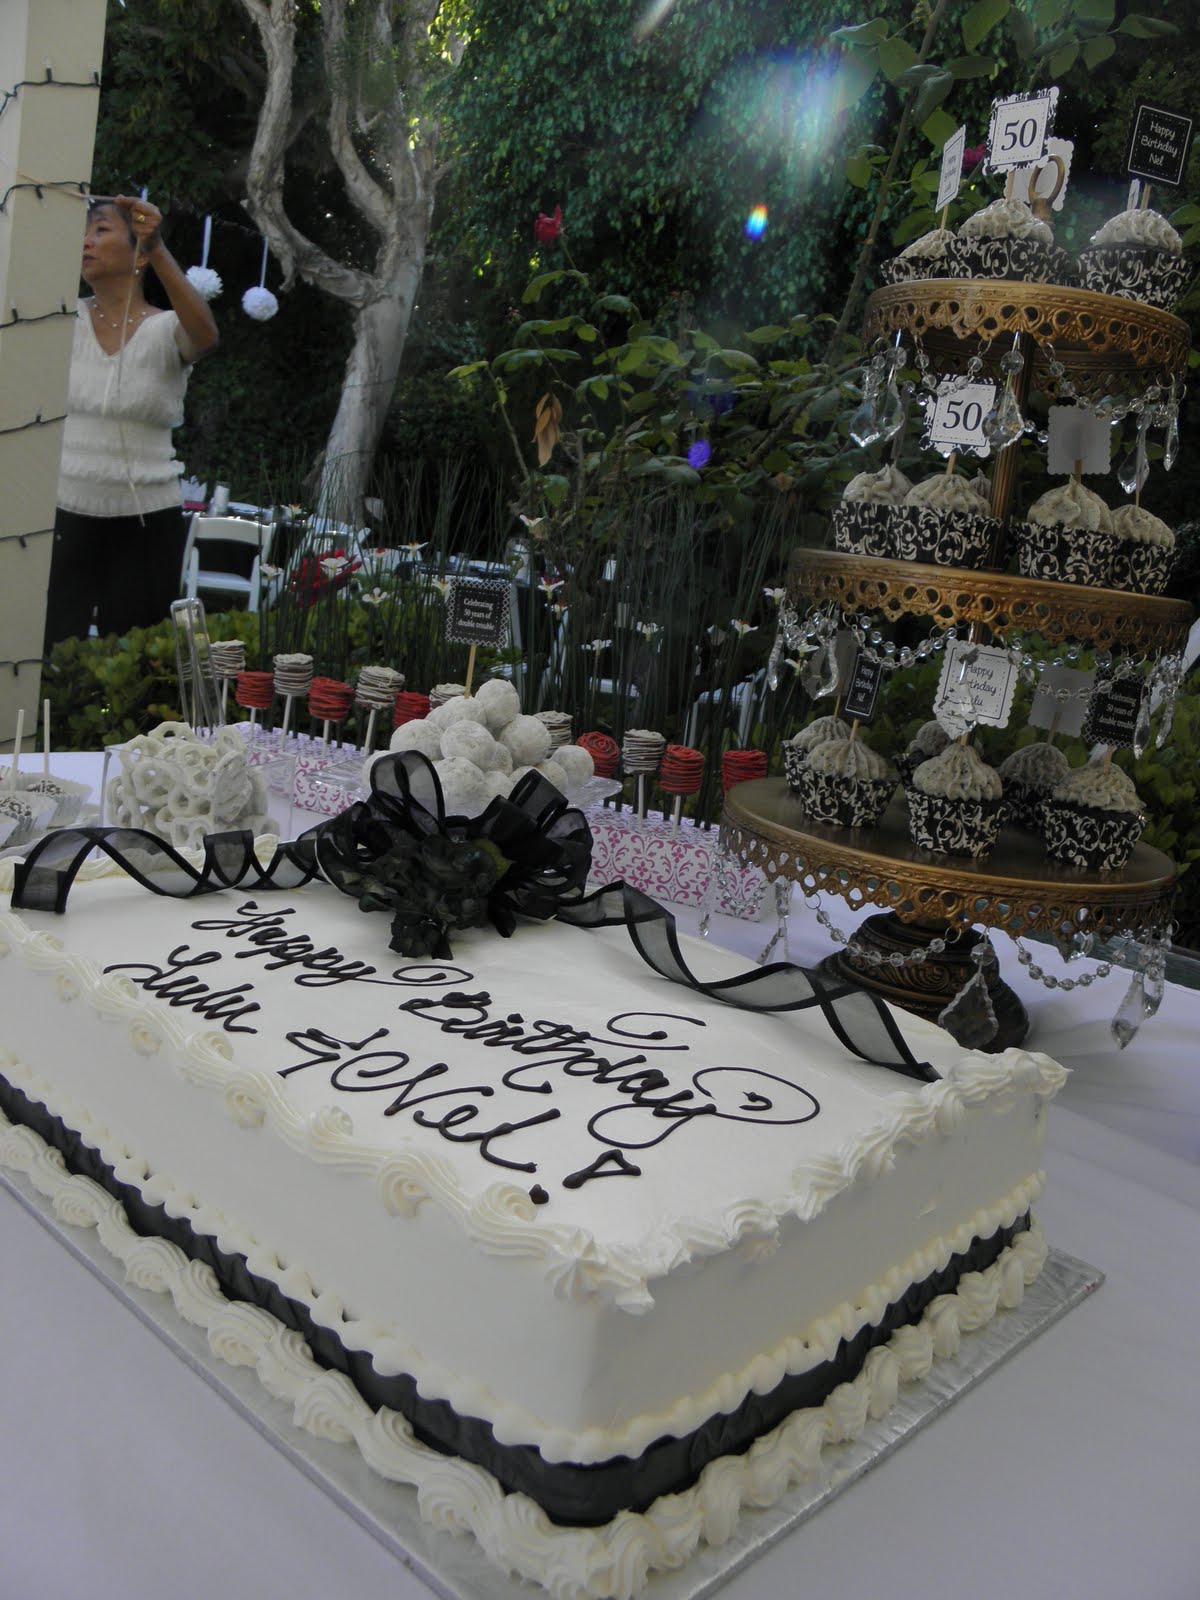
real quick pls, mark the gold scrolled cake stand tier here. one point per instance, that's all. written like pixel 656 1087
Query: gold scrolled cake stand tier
pixel 1017 890
pixel 1109 345
pixel 1059 612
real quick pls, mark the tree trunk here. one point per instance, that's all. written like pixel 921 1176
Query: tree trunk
pixel 380 331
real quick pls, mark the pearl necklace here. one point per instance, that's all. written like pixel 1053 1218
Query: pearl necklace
pixel 117 322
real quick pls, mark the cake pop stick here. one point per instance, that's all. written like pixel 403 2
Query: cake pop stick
pixel 370 744
pixel 224 697
pixel 641 796
pixel 325 736
pixel 45 738
pixel 470 673
pixel 287 716
pixel 17 743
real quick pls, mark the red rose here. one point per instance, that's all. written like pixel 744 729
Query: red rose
pixel 547 229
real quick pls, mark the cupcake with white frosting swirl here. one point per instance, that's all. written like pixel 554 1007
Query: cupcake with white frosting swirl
pixel 930 739
pixel 946 519
pixel 1006 240
pixel 796 749
pixel 845 783
pixel 1139 256
pixel 1067 537
pixel 955 803
pixel 1145 550
pixel 1092 818
pixel 930 256
pixel 862 520
pixel 1028 775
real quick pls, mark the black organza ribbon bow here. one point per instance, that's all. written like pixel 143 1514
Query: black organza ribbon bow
pixel 396 851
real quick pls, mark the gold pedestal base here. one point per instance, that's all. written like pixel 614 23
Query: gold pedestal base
pixel 927 984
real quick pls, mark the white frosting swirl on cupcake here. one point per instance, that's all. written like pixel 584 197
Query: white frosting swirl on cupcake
pixel 959 773
pixel 928 246
pixel 1138 228
pixel 1039 765
pixel 847 758
pixel 930 739
pixel 1006 219
pixel 1099 786
pixel 817 732
pixel 887 487
pixel 1135 522
pixel 945 492
pixel 1070 505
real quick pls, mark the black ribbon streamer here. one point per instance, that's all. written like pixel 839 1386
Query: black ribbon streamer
pixel 548 847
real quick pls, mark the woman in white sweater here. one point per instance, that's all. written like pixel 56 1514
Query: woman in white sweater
pixel 119 531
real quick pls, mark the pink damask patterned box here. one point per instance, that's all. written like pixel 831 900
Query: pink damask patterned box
pixel 668 862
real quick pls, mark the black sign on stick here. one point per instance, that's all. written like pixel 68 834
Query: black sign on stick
pixel 477 611
pixel 863 690
pixel 1158 145
pixel 1113 711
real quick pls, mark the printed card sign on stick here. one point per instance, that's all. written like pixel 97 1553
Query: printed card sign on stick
pixel 958 414
pixel 1158 145
pixel 1019 127
pixel 976 686
pixel 863 690
pixel 1060 699
pixel 1113 711
pixel 951 176
pixel 477 612
pixel 1077 434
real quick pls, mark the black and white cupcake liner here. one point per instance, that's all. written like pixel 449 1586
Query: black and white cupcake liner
pixel 1089 838
pixel 844 802
pixel 953 827
pixel 916 269
pixel 1020 259
pixel 1141 568
pixel 864 528
pixel 1023 804
pixel 945 538
pixel 1135 272
pixel 1066 555
pixel 794 763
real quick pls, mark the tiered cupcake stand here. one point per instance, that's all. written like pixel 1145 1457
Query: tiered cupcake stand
pixel 916 953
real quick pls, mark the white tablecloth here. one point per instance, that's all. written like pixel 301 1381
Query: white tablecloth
pixel 1071 1471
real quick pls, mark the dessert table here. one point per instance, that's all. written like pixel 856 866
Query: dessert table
pixel 1070 1470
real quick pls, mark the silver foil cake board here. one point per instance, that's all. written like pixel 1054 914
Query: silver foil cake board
pixel 456 1568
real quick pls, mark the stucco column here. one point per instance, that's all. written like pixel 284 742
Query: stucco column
pixel 47 134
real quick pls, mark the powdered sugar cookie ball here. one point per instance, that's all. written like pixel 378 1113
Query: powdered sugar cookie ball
pixel 552 773
pixel 516 775
pixel 464 789
pixel 497 784
pixel 528 740
pixel 575 762
pixel 500 701
pixel 422 734
pixel 473 742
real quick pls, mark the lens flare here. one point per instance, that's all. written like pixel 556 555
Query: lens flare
pixel 756 222
pixel 699 453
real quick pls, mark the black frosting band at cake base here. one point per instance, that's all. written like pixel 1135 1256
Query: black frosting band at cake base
pixel 569 1493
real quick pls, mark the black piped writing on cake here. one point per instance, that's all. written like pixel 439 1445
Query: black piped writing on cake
pixel 176 983
pixel 271 937
pixel 608 1164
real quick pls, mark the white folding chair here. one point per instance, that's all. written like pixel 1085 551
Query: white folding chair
pixel 222 530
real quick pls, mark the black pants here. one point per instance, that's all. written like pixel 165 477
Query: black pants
pixel 126 569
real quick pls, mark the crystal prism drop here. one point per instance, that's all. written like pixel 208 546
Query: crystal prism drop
pixel 1132 1011
pixel 1171 441
pixel 1153 987
pixel 827 673
pixel 1081 945
pixel 970 1018
pixel 864 427
pixel 889 417
pixel 1127 472
pixel 1165 721
pixel 1004 424
pixel 1141 730
pixel 774 659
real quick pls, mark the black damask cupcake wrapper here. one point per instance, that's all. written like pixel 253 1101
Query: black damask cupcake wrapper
pixel 945 538
pixel 1023 804
pixel 844 802
pixel 862 528
pixel 794 762
pixel 1088 838
pixel 1135 272
pixel 1066 555
pixel 916 269
pixel 1141 568
pixel 953 827
pixel 1019 259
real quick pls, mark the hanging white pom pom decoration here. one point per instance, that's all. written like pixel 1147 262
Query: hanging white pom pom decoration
pixel 203 279
pixel 259 302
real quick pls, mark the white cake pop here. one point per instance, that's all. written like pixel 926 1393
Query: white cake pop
pixel 553 773
pixel 500 701
pixel 576 762
pixel 528 740
pixel 422 735
pixel 461 710
pixel 497 783
pixel 516 775
pixel 464 788
pixel 474 743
